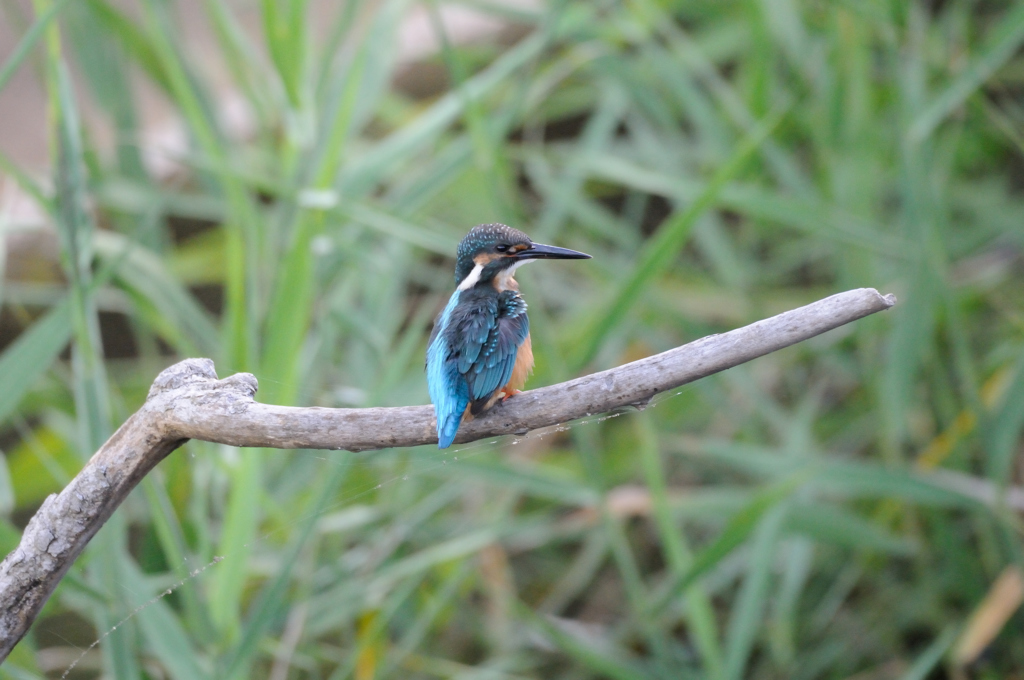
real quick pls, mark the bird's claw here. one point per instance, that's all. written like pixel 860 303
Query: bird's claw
pixel 510 394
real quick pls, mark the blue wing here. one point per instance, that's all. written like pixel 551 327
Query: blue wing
pixel 472 353
pixel 448 389
pixel 492 368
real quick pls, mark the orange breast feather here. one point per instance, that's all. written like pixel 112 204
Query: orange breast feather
pixel 522 369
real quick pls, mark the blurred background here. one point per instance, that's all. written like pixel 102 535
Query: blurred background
pixel 280 186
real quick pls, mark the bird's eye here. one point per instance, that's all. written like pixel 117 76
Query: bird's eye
pixel 501 248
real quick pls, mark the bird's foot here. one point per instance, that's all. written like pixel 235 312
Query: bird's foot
pixel 510 393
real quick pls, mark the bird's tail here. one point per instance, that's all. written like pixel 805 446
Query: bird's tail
pixel 447 429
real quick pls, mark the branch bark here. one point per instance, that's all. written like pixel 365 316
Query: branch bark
pixel 187 401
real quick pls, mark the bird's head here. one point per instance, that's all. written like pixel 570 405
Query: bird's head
pixel 492 251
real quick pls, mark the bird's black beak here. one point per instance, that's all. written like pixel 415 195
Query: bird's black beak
pixel 539 251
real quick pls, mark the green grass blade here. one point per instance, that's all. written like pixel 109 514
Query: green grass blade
pixel 660 251
pixel 831 524
pixel 595 138
pixel 998 49
pixel 108 564
pixel 171 536
pixel 847 479
pixel 784 630
pixel 35 350
pixel 29 40
pixel 105 67
pixel 931 656
pixel 533 482
pixel 31 355
pixel 243 219
pixel 748 610
pixel 92 396
pixel 236 543
pixel 291 308
pixel 421 236
pixel 271 600
pixel 808 215
pixel 598 661
pixel 177 313
pixel 440 600
pixel 488 151
pixel 736 531
pixel 700 613
pixel 362 174
pixel 455 548
pixel 21 664
pixel 28 185
pixel 243 58
pixel 7 499
pixel 164 633
pixel 134 42
pixel 1006 426
pixel 284 28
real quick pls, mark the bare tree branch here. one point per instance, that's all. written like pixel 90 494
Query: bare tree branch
pixel 187 401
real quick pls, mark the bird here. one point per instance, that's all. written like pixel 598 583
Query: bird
pixel 479 350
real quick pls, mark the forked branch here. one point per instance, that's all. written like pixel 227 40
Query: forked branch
pixel 187 401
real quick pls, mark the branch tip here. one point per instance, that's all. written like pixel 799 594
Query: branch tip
pixel 182 373
pixel 245 383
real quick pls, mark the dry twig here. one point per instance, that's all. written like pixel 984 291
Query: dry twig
pixel 187 401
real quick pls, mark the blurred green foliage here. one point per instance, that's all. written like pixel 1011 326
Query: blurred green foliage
pixel 836 508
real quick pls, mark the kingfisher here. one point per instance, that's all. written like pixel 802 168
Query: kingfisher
pixel 479 350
